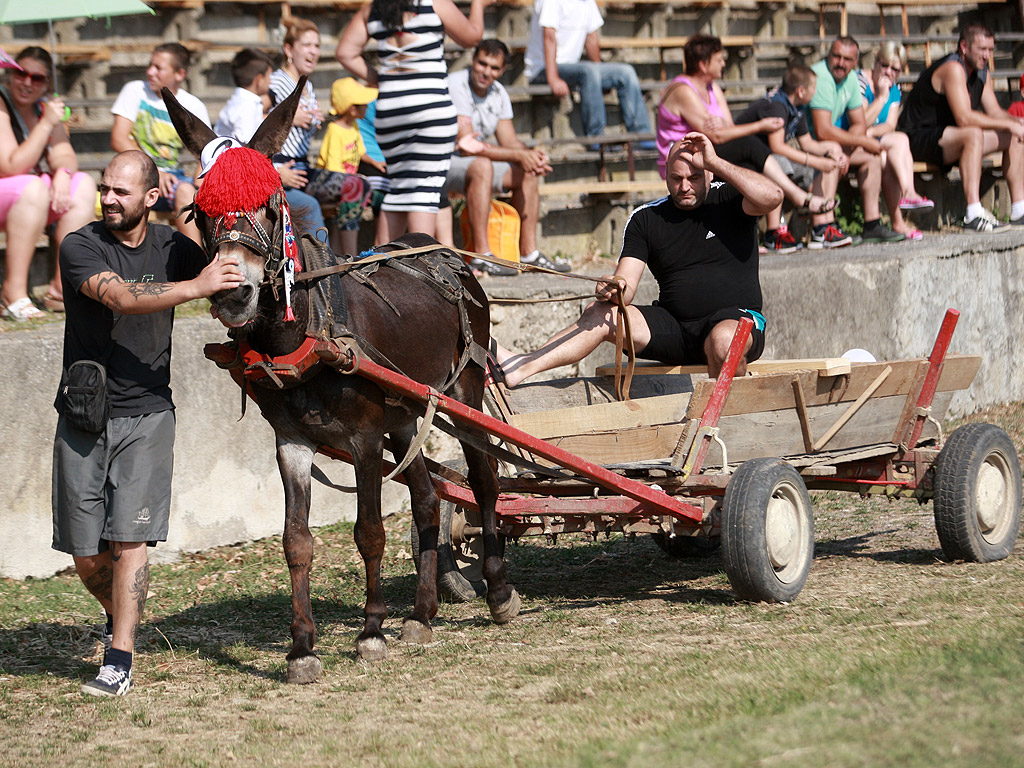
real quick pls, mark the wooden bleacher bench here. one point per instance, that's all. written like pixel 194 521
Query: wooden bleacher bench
pixel 648 189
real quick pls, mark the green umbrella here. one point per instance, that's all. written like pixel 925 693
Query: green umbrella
pixel 25 12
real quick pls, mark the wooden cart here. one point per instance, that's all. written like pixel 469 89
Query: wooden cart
pixel 706 463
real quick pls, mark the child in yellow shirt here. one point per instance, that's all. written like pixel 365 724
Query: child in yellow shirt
pixel 341 152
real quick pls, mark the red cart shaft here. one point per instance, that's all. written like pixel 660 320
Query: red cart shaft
pixel 931 379
pixel 658 501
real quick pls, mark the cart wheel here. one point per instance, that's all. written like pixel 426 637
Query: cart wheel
pixel 767 531
pixel 977 494
pixel 686 546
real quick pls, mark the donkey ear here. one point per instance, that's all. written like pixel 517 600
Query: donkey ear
pixel 193 131
pixel 271 135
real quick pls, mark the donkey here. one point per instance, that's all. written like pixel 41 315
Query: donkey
pixel 394 317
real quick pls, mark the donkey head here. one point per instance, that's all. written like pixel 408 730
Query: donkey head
pixel 238 207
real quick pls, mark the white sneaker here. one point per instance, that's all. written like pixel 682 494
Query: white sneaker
pixel 985 222
pixel 538 259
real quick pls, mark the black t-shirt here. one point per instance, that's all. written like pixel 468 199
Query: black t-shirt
pixel 776 105
pixel 138 359
pixel 704 260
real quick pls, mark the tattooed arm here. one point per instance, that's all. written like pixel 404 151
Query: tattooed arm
pixel 141 298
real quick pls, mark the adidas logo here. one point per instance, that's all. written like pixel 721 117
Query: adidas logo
pixel 710 235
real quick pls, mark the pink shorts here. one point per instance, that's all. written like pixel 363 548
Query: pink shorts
pixel 12 187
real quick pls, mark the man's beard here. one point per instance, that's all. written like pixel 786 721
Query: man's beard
pixel 128 219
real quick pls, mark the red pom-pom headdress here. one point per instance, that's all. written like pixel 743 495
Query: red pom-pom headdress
pixel 241 179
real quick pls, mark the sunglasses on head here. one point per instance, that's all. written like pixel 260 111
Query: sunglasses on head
pixel 35 77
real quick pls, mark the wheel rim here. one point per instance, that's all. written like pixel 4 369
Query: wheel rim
pixel 786 533
pixel 993 500
pixel 469 555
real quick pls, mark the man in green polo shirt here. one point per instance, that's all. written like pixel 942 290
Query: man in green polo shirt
pixel 838 93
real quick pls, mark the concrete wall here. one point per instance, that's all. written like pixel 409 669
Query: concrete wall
pixel 887 299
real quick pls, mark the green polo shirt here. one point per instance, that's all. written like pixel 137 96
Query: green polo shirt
pixel 835 97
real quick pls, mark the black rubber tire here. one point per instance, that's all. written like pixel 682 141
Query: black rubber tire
pixel 767 531
pixel 687 546
pixel 977 494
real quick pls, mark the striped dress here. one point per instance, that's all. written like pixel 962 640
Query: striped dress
pixel 296 146
pixel 416 121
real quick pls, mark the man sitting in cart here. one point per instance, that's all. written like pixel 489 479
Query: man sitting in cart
pixel 700 243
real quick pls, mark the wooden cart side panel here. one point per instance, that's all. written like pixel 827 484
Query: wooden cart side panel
pixel 754 394
pixel 643 443
pixel 777 433
pixel 557 394
pixel 603 417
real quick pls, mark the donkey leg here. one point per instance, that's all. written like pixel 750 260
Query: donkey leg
pixel 294 461
pixel 369 535
pixel 425 514
pixel 502 598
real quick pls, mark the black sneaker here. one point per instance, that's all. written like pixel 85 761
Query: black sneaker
pixel 112 680
pixel 830 237
pixel 781 242
pixel 882 234
pixel 538 259
pixel 985 222
pixel 496 270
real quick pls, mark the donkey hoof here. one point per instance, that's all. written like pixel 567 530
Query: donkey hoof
pixel 305 669
pixel 416 632
pixel 373 648
pixel 504 613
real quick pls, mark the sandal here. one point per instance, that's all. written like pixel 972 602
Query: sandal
pixel 52 303
pixel 915 234
pixel 22 310
pixel 824 205
pixel 494 374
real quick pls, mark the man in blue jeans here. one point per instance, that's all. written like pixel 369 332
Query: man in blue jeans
pixel 561 31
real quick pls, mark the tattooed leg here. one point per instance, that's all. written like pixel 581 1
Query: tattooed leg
pixel 130 587
pixel 97 574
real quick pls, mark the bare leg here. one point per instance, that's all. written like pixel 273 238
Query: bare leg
pixel 892 191
pixel 869 177
pixel 183 195
pixel 479 179
pixel 1013 160
pixel 97 574
pixel 965 146
pixel 444 230
pixel 716 348
pixel 26 221
pixel 572 344
pixel 130 586
pixel 526 200
pixel 826 184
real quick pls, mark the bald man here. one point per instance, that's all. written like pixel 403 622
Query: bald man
pixel 112 478
pixel 700 243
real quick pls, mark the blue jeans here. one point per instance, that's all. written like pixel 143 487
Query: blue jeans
pixel 592 79
pixel 305 209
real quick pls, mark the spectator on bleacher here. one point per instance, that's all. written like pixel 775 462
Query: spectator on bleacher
pixel 416 121
pixel 379 182
pixel 31 132
pixel 341 153
pixel 561 32
pixel 838 95
pixel 700 243
pixel 951 116
pixel 141 122
pixel 809 163
pixel 695 102
pixel 881 96
pixel 1017 108
pixel 243 113
pixel 500 162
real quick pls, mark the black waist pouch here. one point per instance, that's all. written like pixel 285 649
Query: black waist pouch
pixel 86 403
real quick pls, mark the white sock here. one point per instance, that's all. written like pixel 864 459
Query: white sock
pixel 974 210
pixel 531 256
pixel 1017 210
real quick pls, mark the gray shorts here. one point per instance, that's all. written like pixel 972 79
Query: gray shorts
pixel 114 486
pixel 802 175
pixel 460 167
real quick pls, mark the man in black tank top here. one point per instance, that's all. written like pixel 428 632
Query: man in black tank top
pixel 700 243
pixel 952 117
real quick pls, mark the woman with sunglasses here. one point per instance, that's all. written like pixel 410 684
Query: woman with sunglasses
pixel 32 136
pixel 881 111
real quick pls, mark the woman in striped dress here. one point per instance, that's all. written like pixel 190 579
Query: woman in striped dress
pixel 416 121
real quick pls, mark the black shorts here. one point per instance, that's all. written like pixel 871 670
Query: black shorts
pixel 746 152
pixel 924 146
pixel 681 342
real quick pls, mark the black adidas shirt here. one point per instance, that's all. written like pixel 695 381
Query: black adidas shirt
pixel 139 360
pixel 704 260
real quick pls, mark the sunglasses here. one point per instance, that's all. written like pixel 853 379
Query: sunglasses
pixel 35 77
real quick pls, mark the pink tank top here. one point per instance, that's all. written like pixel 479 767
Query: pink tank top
pixel 671 127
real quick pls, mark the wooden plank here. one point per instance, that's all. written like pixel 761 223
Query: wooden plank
pixel 752 394
pixel 825 366
pixel 674 41
pixel 651 187
pixel 629 445
pixel 604 418
pixel 568 393
pixel 777 433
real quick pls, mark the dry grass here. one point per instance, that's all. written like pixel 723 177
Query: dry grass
pixel 622 656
